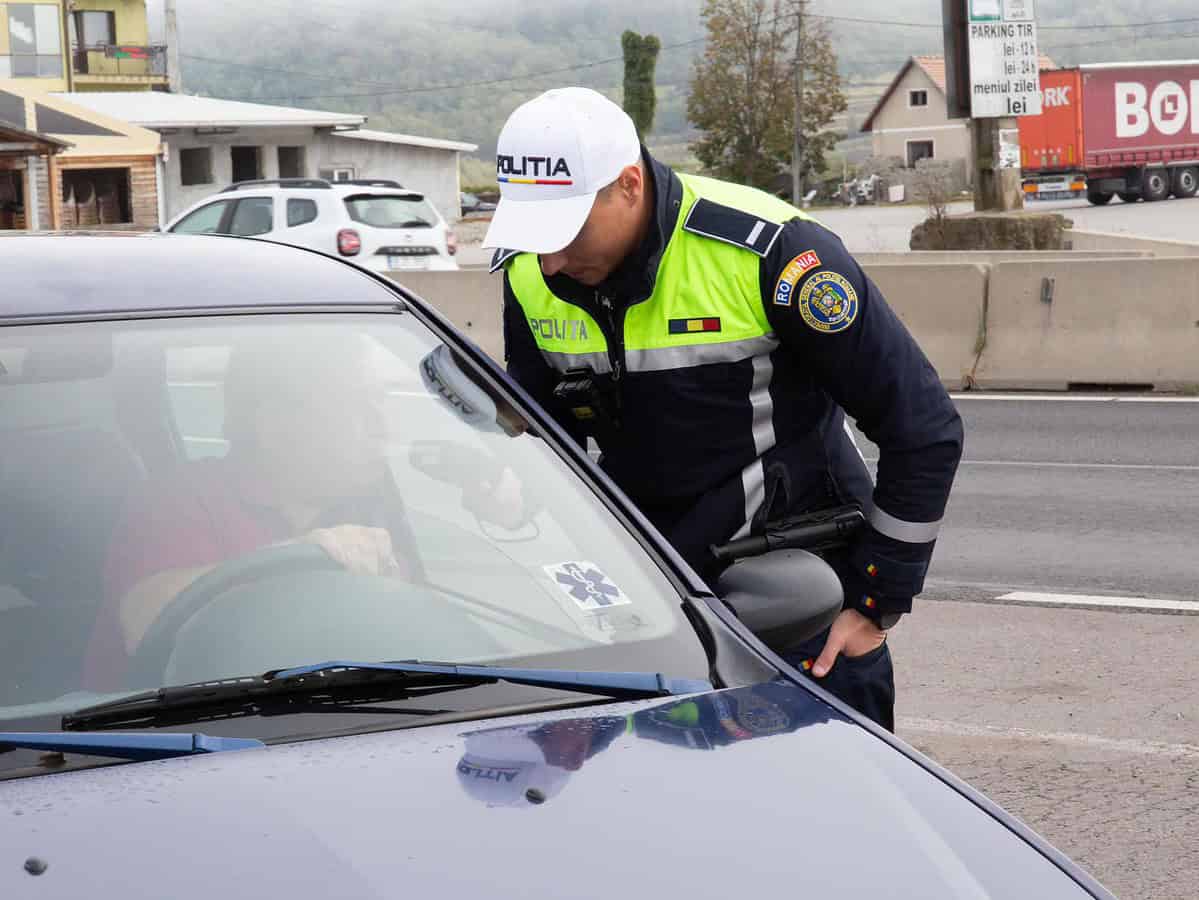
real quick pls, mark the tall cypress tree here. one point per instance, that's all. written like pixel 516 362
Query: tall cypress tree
pixel 640 61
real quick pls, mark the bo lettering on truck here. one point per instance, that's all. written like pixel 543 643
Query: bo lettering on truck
pixel 1167 109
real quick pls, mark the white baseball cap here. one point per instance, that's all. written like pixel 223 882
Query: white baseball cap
pixel 554 155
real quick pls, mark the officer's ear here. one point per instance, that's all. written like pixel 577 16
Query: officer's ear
pixel 631 183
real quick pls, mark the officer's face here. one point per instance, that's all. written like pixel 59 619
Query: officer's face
pixel 613 229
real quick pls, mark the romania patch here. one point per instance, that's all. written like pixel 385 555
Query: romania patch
pixel 689 326
pixel 794 270
pixel 869 602
pixel 872 570
pixel 828 302
pixel 806 665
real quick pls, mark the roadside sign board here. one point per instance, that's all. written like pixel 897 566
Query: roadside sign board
pixel 1004 63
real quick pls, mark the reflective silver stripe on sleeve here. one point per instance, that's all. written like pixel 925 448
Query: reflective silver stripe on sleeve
pixel 659 359
pixel 899 530
pixel 564 362
pixel 753 483
pixel 853 439
pixel 762 404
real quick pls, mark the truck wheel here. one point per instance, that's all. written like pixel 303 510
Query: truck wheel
pixel 1129 198
pixel 1155 185
pixel 1186 182
pixel 1099 198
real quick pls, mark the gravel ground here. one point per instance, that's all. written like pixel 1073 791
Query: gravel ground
pixel 470 229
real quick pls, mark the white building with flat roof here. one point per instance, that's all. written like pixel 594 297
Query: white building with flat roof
pixel 211 143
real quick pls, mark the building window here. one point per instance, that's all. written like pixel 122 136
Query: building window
pixel 30 41
pixel 247 163
pixel 918 150
pixel 300 211
pixel 343 173
pixel 94 29
pixel 917 98
pixel 195 165
pixel 291 162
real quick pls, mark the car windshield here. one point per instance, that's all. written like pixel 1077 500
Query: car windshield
pixel 391 211
pixel 195 499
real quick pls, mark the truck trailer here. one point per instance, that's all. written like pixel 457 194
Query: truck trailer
pixel 1116 129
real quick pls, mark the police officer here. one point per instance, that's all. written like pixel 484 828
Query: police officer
pixel 712 338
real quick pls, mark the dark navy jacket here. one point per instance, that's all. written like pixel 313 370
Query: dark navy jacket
pixel 688 434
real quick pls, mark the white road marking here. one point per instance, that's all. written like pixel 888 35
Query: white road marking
pixel 220 442
pixel 1046 464
pixel 1038 598
pixel 1149 467
pixel 1077 398
pixel 1118 745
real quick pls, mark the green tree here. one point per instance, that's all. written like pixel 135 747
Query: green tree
pixel 640 61
pixel 742 91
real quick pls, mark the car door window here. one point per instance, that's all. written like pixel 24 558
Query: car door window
pixel 205 220
pixel 253 216
pixel 300 211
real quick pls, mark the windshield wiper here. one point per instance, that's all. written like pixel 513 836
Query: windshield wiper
pixel 138 747
pixel 347 679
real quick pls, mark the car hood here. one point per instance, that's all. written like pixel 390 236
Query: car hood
pixel 753 792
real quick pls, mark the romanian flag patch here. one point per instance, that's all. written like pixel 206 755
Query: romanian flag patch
pixel 872 570
pixel 870 603
pixel 691 326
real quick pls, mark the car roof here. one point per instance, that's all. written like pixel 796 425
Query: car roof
pixel 337 189
pixel 65 275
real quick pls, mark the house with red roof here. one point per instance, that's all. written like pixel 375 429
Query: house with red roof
pixel 910 119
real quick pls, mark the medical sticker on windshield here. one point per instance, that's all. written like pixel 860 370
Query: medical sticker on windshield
pixel 795 270
pixel 584 583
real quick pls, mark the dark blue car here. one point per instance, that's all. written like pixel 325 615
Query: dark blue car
pixel 300 596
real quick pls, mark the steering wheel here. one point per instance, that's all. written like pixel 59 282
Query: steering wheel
pixel 152 655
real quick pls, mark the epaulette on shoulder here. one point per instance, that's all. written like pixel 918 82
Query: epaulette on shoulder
pixel 500 257
pixel 733 226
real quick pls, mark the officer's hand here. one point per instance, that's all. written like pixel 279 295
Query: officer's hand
pixel 852 634
pixel 361 550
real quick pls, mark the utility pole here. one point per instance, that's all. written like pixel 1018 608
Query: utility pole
pixel 171 21
pixel 68 13
pixel 797 148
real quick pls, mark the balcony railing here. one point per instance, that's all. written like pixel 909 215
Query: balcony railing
pixel 122 60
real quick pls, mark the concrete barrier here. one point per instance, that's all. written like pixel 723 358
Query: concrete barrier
pixel 942 306
pixel 1104 242
pixel 471 299
pixel 1122 322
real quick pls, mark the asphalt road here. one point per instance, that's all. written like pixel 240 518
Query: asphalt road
pixel 1084 723
pixel 887 229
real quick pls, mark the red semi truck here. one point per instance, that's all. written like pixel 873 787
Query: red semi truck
pixel 1117 129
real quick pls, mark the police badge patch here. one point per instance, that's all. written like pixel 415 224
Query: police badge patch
pixel 828 302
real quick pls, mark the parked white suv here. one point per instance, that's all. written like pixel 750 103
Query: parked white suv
pixel 378 222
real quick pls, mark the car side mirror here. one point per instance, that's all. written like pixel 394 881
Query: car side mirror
pixel 784 597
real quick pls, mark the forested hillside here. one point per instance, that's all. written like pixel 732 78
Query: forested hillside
pixel 457 68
